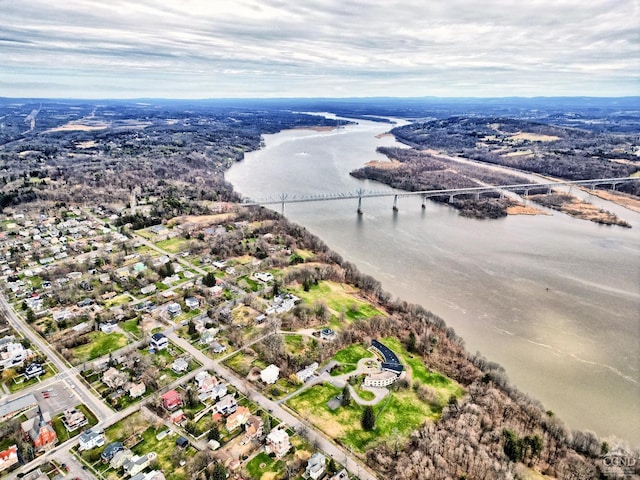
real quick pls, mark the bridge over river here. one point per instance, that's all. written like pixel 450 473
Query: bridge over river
pixel 359 194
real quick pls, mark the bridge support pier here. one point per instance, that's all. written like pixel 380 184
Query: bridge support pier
pixel 477 196
pixel 395 203
pixel 424 202
pixel 450 198
pixel 359 211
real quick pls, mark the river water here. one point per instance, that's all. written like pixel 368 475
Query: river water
pixel 554 300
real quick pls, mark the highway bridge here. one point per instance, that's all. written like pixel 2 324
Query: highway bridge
pixel 523 188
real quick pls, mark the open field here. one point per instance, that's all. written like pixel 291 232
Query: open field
pixel 100 344
pixel 352 354
pixel 340 298
pixel 172 245
pixel 401 413
pixel 444 386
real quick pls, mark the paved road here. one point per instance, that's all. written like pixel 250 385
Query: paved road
pixel 325 444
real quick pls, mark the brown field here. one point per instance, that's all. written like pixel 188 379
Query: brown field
pixel 81 127
pixel 202 220
pixel 524 210
pixel 621 199
pixel 533 137
pixel 384 165
pixel 87 144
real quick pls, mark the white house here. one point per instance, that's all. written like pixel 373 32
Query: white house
pixel 90 439
pixel 174 309
pixel 148 289
pixel 159 341
pixel 180 365
pixel 315 466
pixel 263 276
pixel 307 372
pixel 226 406
pixel 270 374
pixel 138 463
pixel 380 379
pixel 278 442
pixel 192 303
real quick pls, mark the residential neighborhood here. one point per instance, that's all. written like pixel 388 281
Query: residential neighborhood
pixel 180 356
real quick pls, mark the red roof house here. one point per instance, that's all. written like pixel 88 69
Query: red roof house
pixel 171 400
pixel 8 457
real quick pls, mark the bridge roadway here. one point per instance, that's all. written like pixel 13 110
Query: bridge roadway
pixel 359 194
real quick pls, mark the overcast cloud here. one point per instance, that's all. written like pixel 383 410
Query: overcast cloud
pixel 334 48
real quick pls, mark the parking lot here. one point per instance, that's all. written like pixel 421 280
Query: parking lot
pixel 60 397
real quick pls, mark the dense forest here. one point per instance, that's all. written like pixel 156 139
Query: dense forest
pixel 567 153
pixel 65 153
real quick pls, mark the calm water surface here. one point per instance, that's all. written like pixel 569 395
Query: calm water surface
pixel 554 300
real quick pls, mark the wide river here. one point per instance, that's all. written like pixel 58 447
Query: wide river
pixel 554 300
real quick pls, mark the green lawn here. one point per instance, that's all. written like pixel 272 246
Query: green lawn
pixel 61 431
pixel 340 298
pixel 365 394
pixel 263 463
pixel 294 343
pixel 248 283
pixel 117 300
pixel 242 364
pixel 444 386
pixel 99 345
pixel 399 414
pixel 131 326
pixel 21 383
pixel 172 245
pixel 352 354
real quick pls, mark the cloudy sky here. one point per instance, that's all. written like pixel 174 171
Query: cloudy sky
pixel 309 48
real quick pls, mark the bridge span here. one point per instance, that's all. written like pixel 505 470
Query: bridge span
pixel 524 188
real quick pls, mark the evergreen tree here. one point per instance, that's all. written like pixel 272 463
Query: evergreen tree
pixel 209 280
pixel 214 433
pixel 368 418
pixel 219 472
pixel 346 396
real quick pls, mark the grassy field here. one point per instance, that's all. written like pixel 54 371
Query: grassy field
pixel 352 354
pixel 117 300
pixel 294 343
pixel 242 364
pixel 340 298
pixel 398 415
pixel 172 245
pixel 131 326
pixel 248 283
pixel 444 386
pixel 100 344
